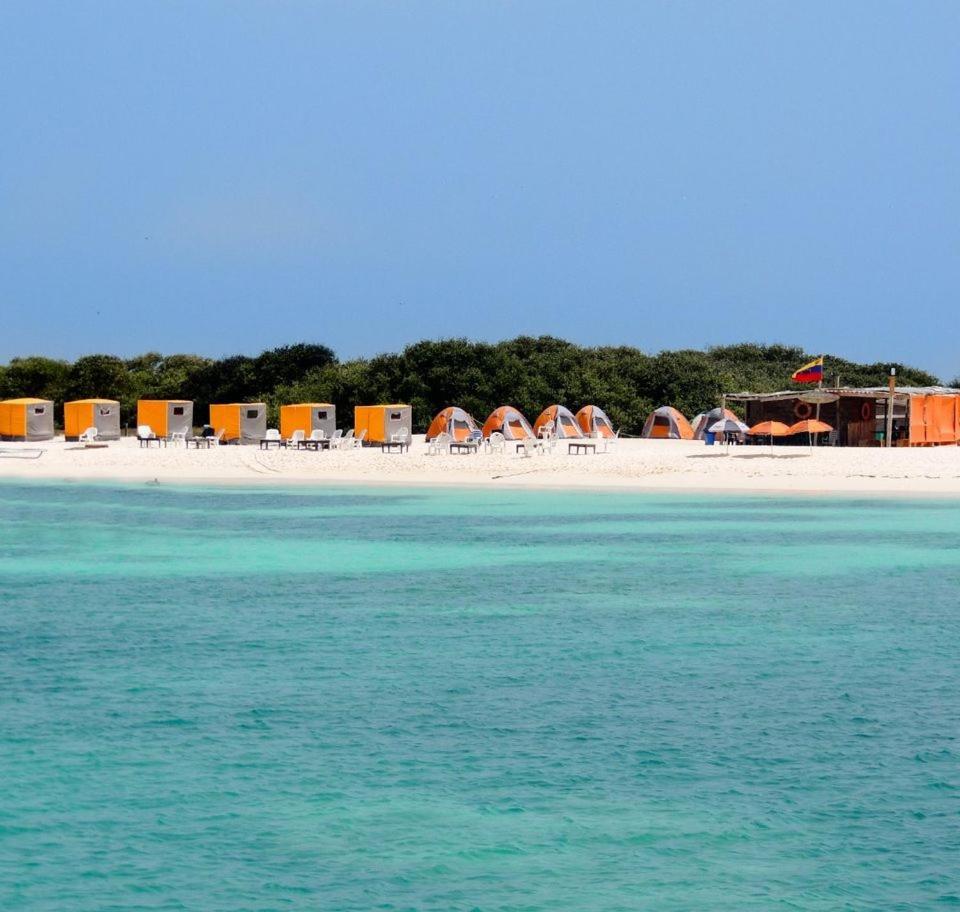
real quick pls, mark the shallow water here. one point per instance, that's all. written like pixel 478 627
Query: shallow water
pixel 381 699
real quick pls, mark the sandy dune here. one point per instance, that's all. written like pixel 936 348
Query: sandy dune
pixel 639 464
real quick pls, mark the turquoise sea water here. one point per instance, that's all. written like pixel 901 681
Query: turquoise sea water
pixel 464 700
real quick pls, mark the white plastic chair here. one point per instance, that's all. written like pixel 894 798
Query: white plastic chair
pixel 346 441
pixel 336 439
pixel 272 434
pixel 88 436
pixel 359 438
pixel 496 443
pixel 318 434
pixel 439 444
pixel 295 438
pixel 145 432
pixel 604 443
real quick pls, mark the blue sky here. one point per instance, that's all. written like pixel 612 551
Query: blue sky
pixel 225 177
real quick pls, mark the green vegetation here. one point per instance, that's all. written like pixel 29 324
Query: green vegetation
pixel 529 373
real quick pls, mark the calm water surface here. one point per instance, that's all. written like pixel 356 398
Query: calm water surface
pixel 454 700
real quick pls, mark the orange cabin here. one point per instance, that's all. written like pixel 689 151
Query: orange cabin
pixel 934 420
pixel 381 422
pixel 308 417
pixel 26 419
pixel 240 422
pixel 83 414
pixel 166 416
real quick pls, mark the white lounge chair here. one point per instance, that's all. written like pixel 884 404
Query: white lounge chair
pixel 359 438
pixel 346 441
pixel 295 439
pixel 336 438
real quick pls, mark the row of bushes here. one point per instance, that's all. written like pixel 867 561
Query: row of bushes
pixel 528 373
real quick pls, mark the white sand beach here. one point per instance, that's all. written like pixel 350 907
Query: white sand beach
pixel 635 464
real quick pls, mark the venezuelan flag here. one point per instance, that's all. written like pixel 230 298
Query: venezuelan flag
pixel 809 373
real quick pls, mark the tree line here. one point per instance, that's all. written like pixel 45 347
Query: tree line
pixel 528 373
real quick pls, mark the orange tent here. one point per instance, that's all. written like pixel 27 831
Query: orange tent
pixel 594 422
pixel 564 422
pixel 508 421
pixel 453 421
pixel 666 423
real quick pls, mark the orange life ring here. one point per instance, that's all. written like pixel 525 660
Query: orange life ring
pixel 803 410
pixel 866 413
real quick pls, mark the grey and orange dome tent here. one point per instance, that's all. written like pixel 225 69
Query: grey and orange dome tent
pixel 666 423
pixel 594 422
pixel 709 418
pixel 454 421
pixel 508 421
pixel 564 422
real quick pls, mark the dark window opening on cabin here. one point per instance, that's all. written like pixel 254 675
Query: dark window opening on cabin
pixel 253 413
pixel 322 416
pixel 178 410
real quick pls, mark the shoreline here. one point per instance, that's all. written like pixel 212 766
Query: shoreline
pixel 633 466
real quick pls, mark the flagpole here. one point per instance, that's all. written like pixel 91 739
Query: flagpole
pixel 820 387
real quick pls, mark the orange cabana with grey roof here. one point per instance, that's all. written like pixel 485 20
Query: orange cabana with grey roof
pixel 454 421
pixel 594 422
pixel 166 416
pixel 666 423
pixel 83 414
pixel 308 417
pixel 563 421
pixel 381 422
pixel 240 422
pixel 26 419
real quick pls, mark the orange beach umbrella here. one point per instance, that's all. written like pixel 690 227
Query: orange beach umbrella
pixel 770 429
pixel 810 426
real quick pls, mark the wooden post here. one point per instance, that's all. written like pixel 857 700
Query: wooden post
pixel 889 429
